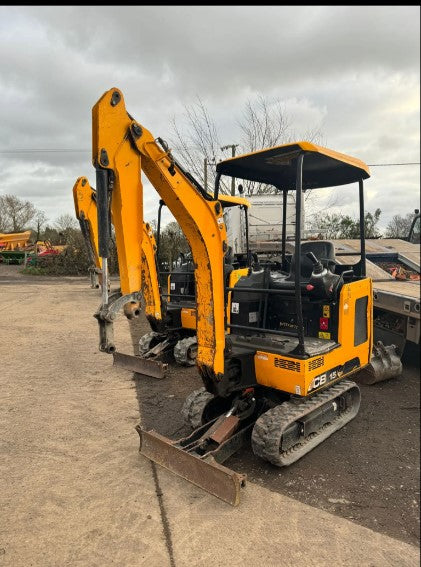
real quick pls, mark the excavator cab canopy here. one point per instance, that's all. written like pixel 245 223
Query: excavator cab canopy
pixel 278 166
pixel 300 166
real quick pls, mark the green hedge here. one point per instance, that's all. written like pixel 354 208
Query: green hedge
pixel 73 261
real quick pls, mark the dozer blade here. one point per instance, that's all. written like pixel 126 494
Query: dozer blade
pixel 384 364
pixel 206 473
pixel 145 366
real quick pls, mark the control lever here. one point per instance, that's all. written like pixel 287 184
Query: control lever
pixel 317 265
pixel 323 284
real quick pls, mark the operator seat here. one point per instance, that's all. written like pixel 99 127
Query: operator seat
pixel 324 251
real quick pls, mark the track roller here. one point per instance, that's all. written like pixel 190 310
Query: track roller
pixel 285 433
pixel 148 341
pixel 194 406
pixel 185 351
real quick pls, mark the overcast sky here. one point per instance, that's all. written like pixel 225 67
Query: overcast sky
pixel 351 72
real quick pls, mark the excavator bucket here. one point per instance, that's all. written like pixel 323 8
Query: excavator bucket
pixel 145 366
pixel 384 364
pixel 203 471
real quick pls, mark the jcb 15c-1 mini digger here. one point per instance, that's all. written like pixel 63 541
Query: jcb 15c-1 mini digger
pixel 275 369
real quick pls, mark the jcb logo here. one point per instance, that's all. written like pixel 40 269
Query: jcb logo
pixel 317 382
pixel 322 379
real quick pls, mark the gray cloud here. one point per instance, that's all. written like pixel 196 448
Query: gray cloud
pixel 351 71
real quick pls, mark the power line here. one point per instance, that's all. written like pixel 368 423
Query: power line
pixel 74 150
pixel 385 164
pixel 46 150
pixel 56 150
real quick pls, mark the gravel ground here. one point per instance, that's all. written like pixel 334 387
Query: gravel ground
pixel 367 472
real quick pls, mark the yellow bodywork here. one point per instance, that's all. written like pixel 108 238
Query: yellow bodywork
pixel 233 201
pixel 301 377
pixel 110 126
pixel 86 208
pixel 130 149
pixel 188 318
pixel 150 282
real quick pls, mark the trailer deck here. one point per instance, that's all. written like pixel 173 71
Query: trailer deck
pixel 379 250
pixel 396 301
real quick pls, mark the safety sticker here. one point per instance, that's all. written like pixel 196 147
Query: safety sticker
pixel 324 335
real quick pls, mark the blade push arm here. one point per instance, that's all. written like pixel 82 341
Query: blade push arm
pixel 122 148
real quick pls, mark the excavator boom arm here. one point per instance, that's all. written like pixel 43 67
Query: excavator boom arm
pixel 86 213
pixel 122 148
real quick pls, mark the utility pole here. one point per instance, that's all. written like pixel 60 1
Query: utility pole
pixel 232 146
pixel 206 162
pixel 205 173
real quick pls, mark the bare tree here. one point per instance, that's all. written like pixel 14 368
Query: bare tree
pixel 264 123
pixel 67 226
pixel 15 213
pixel 40 220
pixel 399 226
pixel 3 218
pixel 65 222
pixel 197 142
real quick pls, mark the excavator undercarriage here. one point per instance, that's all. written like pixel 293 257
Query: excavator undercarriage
pixel 279 433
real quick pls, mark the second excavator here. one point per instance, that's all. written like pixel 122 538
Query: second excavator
pixel 171 315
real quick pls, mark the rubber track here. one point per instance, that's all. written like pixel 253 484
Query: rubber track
pixel 145 342
pixel 181 349
pixel 268 429
pixel 193 407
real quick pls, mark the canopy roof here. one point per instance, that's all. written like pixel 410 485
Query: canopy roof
pixel 278 166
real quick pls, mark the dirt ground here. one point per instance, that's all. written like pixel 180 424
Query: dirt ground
pixel 367 472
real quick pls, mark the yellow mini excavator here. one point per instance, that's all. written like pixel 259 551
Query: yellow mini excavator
pixel 280 377
pixel 85 199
